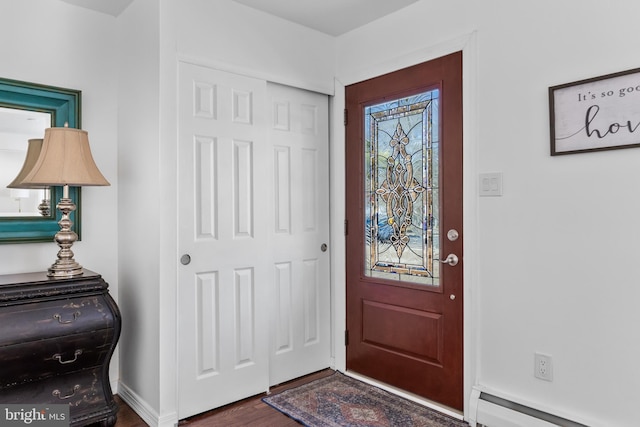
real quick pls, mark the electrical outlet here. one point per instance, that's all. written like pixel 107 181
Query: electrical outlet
pixel 543 367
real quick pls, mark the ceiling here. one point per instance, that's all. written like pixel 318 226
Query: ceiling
pixel 332 17
pixel 110 7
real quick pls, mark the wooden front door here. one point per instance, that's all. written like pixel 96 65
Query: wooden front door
pixel 404 222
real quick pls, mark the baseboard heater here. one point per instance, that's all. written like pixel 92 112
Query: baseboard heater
pixel 488 410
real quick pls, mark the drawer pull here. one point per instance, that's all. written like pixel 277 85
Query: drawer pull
pixel 56 393
pixel 58 357
pixel 58 317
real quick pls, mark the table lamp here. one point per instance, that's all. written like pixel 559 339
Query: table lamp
pixel 65 160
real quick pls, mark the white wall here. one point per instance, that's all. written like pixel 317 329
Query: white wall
pixel 556 255
pixel 140 205
pixel 232 37
pixel 53 43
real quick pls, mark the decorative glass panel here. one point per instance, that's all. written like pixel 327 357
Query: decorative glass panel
pixel 401 189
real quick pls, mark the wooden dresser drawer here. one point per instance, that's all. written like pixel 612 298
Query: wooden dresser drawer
pixel 42 320
pixel 83 391
pixel 78 389
pixel 35 360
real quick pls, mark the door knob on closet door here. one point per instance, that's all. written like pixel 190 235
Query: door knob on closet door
pixel 185 259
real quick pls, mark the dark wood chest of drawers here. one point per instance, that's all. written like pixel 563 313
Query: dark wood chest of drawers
pixel 57 337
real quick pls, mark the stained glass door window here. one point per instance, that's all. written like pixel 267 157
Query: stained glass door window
pixel 401 189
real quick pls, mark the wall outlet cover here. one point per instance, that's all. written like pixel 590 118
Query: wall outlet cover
pixel 543 367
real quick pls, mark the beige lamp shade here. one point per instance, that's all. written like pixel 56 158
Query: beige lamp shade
pixel 33 152
pixel 65 159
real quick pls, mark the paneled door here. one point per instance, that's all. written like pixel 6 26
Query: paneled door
pixel 253 287
pixel 300 317
pixel 224 280
pixel 405 237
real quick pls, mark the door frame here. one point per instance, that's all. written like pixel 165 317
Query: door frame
pixel 468 45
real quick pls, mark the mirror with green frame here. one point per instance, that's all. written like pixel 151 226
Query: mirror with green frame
pixel 26 110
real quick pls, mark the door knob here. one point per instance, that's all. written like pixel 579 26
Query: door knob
pixel 185 259
pixel 451 259
pixel 323 247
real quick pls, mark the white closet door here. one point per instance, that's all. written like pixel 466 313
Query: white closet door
pixel 253 290
pixel 224 291
pixel 300 314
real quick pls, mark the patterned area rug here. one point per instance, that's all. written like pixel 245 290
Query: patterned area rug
pixel 341 401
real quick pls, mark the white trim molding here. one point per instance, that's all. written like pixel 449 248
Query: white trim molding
pixel 144 410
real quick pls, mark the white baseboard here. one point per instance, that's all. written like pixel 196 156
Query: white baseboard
pixel 144 410
pixel 492 408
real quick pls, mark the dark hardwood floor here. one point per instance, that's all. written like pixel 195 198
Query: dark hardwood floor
pixel 245 413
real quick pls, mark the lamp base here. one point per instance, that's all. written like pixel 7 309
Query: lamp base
pixel 61 270
pixel 65 265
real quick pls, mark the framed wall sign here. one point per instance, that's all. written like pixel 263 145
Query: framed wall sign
pixel 601 113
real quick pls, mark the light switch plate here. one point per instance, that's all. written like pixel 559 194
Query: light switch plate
pixel 491 184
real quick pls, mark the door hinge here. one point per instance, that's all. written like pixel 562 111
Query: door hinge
pixel 345 116
pixel 346 227
pixel 346 338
